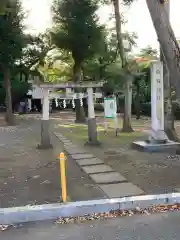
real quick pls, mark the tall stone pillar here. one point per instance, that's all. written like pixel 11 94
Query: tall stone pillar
pixel 92 127
pixel 157 102
pixel 45 122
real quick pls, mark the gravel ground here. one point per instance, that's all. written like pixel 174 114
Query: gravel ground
pixel 31 176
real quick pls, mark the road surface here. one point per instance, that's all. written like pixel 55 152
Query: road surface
pixel 164 226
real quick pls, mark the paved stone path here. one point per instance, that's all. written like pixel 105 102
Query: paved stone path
pixel 112 183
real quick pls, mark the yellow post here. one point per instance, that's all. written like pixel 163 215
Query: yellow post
pixel 63 176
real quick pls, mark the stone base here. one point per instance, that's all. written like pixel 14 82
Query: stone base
pixel 45 135
pixel 91 143
pixel 44 147
pixel 92 133
pixel 81 121
pixel 147 146
pixel 158 137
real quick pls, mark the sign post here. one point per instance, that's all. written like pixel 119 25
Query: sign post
pixel 110 111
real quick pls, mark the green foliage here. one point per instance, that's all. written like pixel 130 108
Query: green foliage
pixel 4 8
pixel 76 28
pixel 11 34
pixel 19 89
pixel 35 50
pixel 148 53
pixel 55 67
pixel 128 2
pixel 106 65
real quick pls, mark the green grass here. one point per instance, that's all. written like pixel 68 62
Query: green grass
pixel 78 132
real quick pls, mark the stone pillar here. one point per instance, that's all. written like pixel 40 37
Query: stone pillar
pixel 92 127
pixel 45 122
pixel 157 102
pixel 29 104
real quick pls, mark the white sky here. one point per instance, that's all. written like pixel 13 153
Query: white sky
pixel 137 15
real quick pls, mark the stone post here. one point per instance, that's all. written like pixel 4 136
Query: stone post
pixel 92 127
pixel 29 104
pixel 157 102
pixel 45 122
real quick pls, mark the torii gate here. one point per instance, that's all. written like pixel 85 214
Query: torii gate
pixel 92 131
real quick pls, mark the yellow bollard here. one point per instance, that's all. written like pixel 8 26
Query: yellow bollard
pixel 63 176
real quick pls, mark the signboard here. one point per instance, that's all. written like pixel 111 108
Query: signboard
pixel 110 107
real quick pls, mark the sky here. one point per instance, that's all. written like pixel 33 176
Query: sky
pixel 137 16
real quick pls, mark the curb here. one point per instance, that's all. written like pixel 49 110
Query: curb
pixel 25 214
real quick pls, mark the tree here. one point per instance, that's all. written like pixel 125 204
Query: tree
pixel 96 67
pixel 36 49
pixel 3 7
pixel 168 113
pixel 170 55
pixel 129 78
pixel 169 45
pixel 76 30
pixel 54 67
pixel 11 44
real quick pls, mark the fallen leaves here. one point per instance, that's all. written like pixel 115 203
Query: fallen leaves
pixel 4 227
pixel 119 213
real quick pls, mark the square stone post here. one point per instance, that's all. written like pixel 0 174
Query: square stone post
pixel 157 103
pixel 92 127
pixel 45 122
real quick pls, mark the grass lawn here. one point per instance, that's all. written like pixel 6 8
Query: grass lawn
pixel 78 132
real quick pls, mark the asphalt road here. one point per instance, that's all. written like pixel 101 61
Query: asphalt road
pixel 164 226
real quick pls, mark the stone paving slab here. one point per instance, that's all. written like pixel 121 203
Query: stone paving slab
pixel 121 190
pixel 90 161
pixel 66 141
pixel 81 156
pixel 107 177
pixel 97 169
pixel 67 147
pixel 76 151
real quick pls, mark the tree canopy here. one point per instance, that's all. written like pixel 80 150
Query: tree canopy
pixel 12 38
pixel 76 28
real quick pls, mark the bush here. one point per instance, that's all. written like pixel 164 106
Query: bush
pixel 146 109
pixel 99 107
pixel 176 109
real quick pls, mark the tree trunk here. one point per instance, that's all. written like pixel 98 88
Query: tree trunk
pixel 119 33
pixel 167 40
pixel 127 115
pixel 80 115
pixel 9 113
pixel 128 103
pixel 137 103
pixel 168 111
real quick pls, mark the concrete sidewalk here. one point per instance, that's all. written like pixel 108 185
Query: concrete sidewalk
pixel 163 226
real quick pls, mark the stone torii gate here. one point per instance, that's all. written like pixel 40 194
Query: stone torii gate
pixel 45 123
